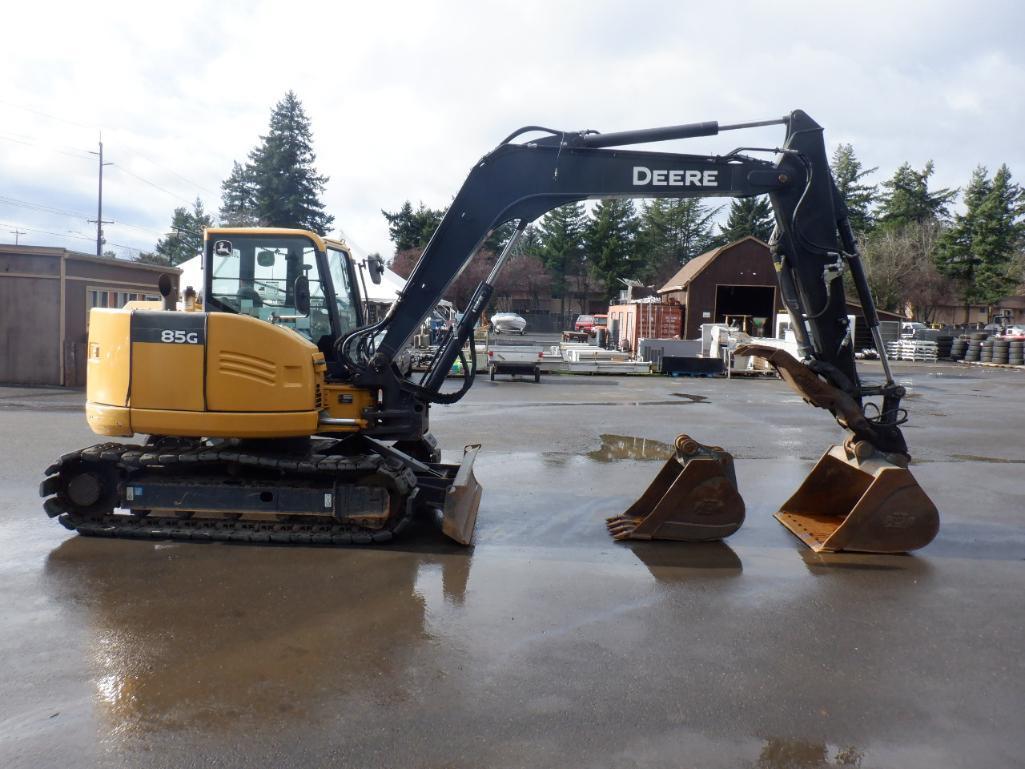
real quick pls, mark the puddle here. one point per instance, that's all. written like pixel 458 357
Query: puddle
pixel 616 447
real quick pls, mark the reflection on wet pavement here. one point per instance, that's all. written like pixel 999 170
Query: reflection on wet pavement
pixel 797 754
pixel 189 636
pixel 679 561
pixel 616 447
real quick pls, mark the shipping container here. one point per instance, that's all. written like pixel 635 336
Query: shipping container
pixel 630 322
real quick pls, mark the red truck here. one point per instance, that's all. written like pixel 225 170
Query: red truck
pixel 588 323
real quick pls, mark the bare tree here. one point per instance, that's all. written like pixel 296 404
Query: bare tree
pixel 902 273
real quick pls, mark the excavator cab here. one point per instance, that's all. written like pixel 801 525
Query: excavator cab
pixel 284 278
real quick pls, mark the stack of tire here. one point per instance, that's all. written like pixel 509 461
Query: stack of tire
pixel 975 341
pixel 1001 349
pixel 944 345
pixel 958 348
pixel 986 354
pixel 1016 352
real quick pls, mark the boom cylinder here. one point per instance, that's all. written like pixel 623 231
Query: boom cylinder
pixel 461 332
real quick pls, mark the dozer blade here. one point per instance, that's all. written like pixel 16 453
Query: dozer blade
pixel 694 498
pixel 462 500
pixel 856 500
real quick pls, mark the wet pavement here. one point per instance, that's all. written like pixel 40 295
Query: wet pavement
pixel 546 644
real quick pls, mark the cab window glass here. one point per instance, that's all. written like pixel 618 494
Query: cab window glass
pixel 338 263
pixel 256 277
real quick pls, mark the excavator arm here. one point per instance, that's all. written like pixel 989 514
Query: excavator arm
pixel 860 496
pixel 520 181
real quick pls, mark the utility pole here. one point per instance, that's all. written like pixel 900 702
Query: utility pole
pixel 99 202
pixel 16 232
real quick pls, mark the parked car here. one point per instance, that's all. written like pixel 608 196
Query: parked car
pixel 584 323
pixel 908 328
pixel 508 323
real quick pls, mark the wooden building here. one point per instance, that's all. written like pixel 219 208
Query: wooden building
pixel 45 297
pixel 734 282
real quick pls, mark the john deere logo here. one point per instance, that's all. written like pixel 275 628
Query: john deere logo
pixel 658 177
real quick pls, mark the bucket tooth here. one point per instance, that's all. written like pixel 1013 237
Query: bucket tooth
pixel 459 516
pixel 693 498
pixel 856 500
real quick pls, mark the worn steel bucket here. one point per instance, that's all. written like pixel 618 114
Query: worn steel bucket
pixel 694 498
pixel 856 500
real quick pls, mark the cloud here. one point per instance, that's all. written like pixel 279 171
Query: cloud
pixel 404 97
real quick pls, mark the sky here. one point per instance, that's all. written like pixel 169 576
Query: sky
pixel 404 97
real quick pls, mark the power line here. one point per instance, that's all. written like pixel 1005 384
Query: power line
pixel 47 114
pixel 70 235
pixel 84 154
pixel 197 185
pixel 41 207
pixel 5 200
pixel 154 185
pixel 70 153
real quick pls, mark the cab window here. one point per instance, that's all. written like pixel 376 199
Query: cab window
pixel 256 277
pixel 345 292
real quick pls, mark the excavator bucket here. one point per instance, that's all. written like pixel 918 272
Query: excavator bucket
pixel 855 498
pixel 867 505
pixel 462 500
pixel 694 498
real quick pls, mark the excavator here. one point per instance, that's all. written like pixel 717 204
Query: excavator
pixel 278 414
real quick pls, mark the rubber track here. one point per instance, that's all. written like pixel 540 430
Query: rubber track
pixel 126 458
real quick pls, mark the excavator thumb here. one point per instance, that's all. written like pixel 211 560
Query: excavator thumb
pixel 694 498
pixel 856 498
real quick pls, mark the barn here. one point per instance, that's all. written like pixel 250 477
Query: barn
pixel 735 283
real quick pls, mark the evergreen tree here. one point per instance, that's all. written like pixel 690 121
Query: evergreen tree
pixel 955 255
pixel 672 233
pixel 185 239
pixel 980 249
pixel 1000 237
pixel 610 237
pixel 562 246
pixel 848 174
pixel 412 229
pixel 238 198
pixel 286 187
pixel 748 216
pixel 908 198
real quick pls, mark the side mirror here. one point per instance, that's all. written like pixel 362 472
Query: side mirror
pixel 375 266
pixel 302 295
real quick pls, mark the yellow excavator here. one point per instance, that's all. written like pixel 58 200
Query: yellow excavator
pixel 277 413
